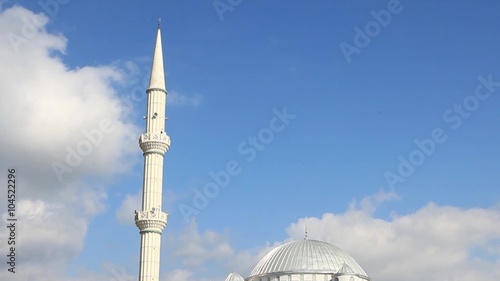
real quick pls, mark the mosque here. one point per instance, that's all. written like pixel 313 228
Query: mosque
pixel 305 260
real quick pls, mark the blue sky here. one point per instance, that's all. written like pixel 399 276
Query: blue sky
pixel 228 73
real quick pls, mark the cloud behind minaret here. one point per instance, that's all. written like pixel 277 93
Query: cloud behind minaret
pixel 52 113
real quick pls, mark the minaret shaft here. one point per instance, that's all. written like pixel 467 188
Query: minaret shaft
pixel 154 143
pixel 152 193
pixel 156 111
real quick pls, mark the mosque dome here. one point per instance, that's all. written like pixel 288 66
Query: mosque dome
pixel 307 260
pixel 234 277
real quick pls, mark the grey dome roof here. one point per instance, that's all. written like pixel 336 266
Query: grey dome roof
pixel 308 256
pixel 234 277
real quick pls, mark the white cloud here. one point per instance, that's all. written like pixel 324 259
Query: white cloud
pixel 245 260
pixel 48 236
pixel 370 203
pixel 178 275
pixel 178 99
pixel 132 202
pixel 51 113
pixel 195 248
pixel 209 255
pixel 125 213
pixel 84 199
pixel 439 241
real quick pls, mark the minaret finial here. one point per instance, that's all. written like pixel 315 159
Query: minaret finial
pixel 305 236
pixel 159 23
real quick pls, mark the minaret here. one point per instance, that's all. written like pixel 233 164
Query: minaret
pixel 154 143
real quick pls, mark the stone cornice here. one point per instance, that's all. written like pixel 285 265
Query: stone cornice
pixel 151 221
pixel 154 143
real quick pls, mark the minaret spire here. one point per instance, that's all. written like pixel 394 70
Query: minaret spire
pixel 154 143
pixel 157 72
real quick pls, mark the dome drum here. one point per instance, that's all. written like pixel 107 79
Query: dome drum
pixel 308 277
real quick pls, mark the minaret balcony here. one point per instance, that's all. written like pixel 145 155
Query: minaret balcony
pixel 151 221
pixel 154 143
